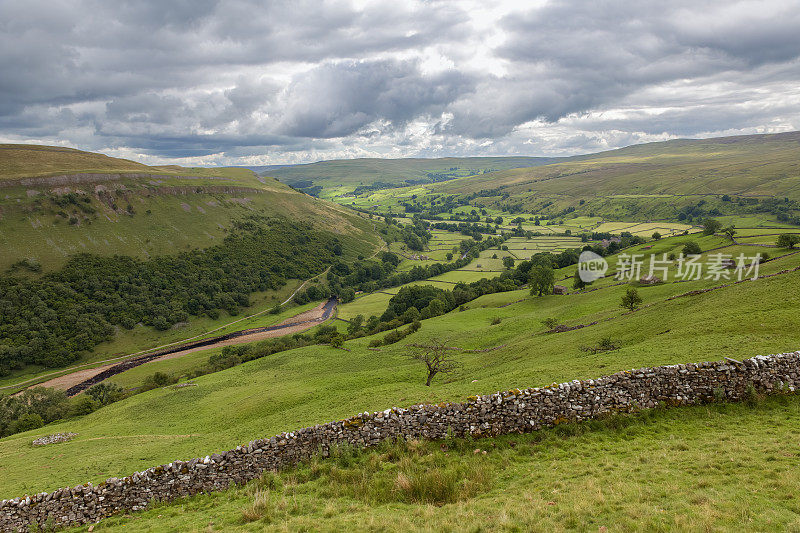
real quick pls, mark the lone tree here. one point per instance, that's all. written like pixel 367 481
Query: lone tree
pixel 730 231
pixel 541 280
pixel 436 356
pixel 711 226
pixel 631 300
pixel 508 261
pixel 656 236
pixel 788 240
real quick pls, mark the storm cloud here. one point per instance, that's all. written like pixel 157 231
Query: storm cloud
pixel 246 82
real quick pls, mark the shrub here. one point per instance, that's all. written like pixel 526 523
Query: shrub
pixel 550 323
pixel 496 320
pixel 84 405
pixel 158 380
pixel 27 422
pixel 337 341
pixel 788 240
pixel 47 404
pixel 105 393
pixel 691 248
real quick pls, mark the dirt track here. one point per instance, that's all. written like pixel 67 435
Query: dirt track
pixel 80 380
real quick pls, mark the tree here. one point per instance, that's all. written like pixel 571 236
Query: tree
pixel 436 356
pixel 337 341
pixel 355 324
pixel 541 280
pixel 788 240
pixel 691 248
pixel 631 300
pixel 577 282
pixel 730 231
pixel 508 261
pixel 347 295
pixel 105 393
pixel 711 226
pixel 656 236
pixel 550 323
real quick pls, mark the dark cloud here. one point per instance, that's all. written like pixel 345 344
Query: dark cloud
pixel 222 79
pixel 339 99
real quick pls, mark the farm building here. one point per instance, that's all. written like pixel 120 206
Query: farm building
pixel 559 289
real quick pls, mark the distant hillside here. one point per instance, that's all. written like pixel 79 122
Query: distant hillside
pixel 652 180
pixel 55 202
pixel 344 176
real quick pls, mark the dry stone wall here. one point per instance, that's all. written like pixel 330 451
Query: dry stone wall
pixel 504 412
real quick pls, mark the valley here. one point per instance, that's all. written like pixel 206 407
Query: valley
pixel 328 322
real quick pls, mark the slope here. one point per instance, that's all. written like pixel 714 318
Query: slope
pixel 55 202
pixel 305 386
pixel 729 175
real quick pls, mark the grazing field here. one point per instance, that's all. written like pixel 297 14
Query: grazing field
pixel 522 248
pixel 646 229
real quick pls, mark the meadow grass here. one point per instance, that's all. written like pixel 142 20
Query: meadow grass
pixel 704 468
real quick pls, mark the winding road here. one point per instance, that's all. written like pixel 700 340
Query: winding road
pixel 81 380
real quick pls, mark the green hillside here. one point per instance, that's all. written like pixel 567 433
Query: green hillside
pixel 694 178
pixel 708 468
pixel 268 237
pixel 340 177
pixel 159 210
pixel 105 257
pixel 655 180
pixel 305 386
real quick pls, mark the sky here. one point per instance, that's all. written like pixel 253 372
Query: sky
pixel 239 82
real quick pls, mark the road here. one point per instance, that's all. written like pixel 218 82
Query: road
pixel 81 380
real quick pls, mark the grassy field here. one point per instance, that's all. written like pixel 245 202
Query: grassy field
pixel 715 467
pixel 708 468
pixel 316 384
pixel 646 229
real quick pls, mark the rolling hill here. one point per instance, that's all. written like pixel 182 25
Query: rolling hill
pixel 55 202
pixel 501 340
pixel 652 180
pixel 340 177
